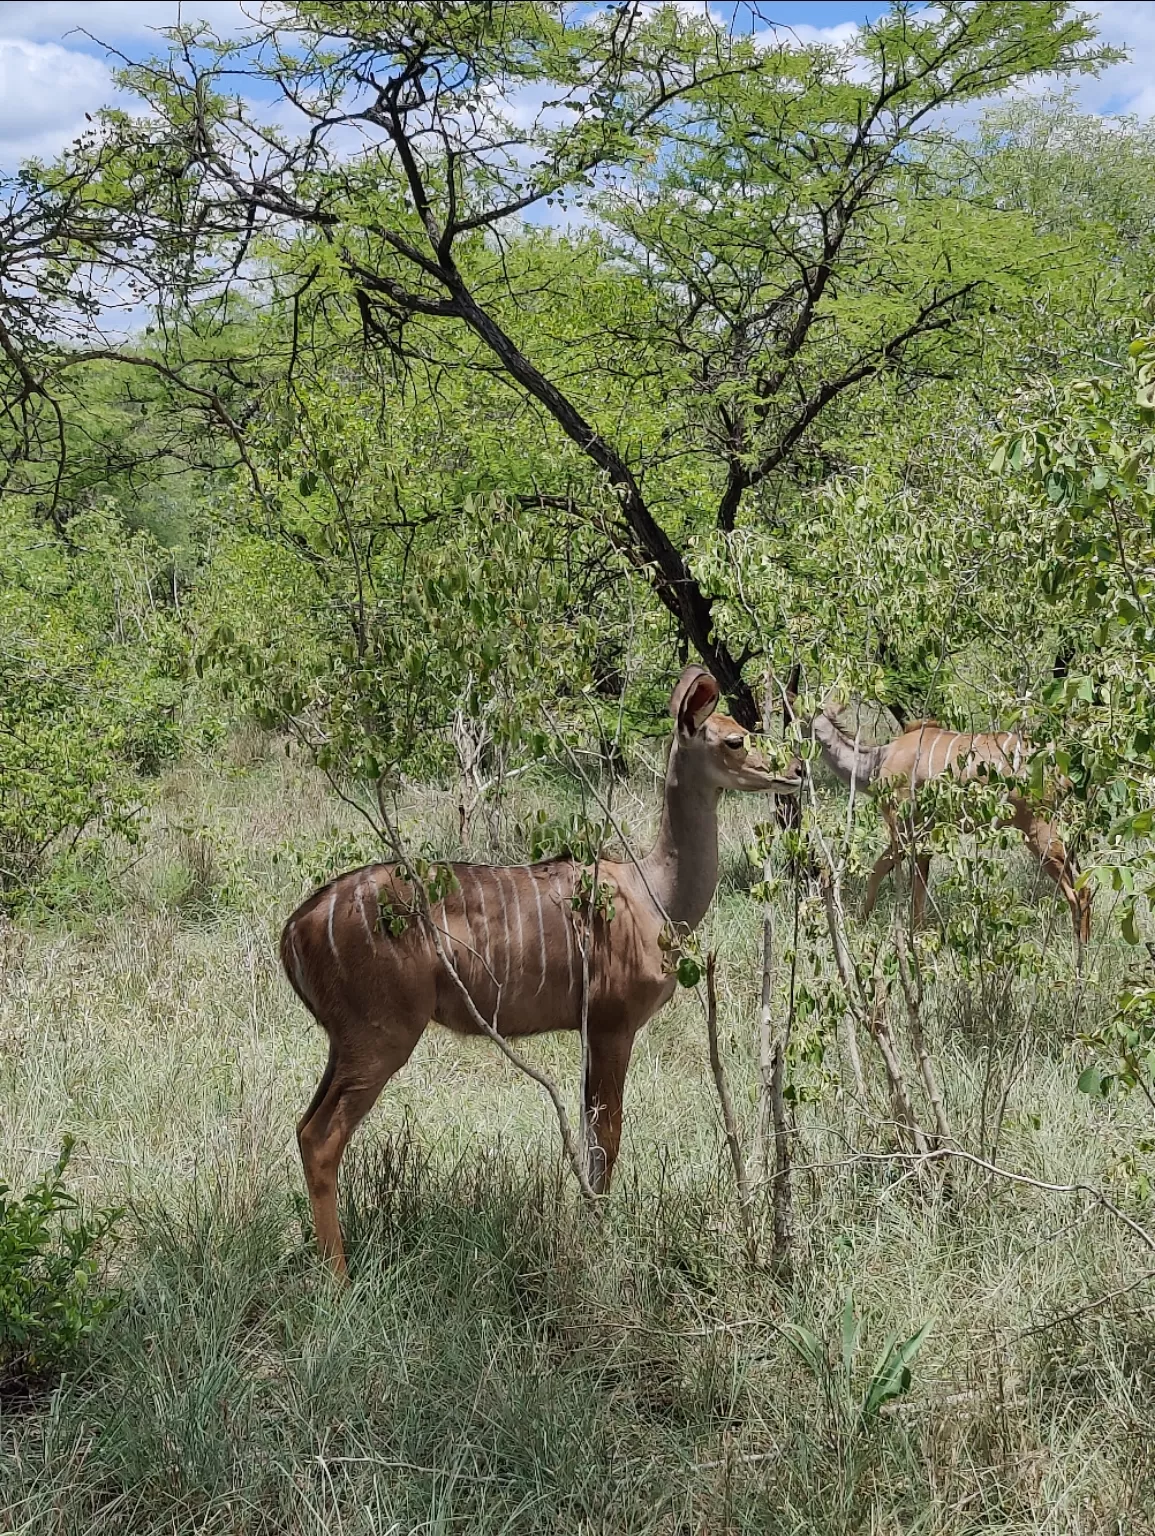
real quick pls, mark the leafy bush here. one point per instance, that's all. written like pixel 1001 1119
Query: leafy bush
pixel 853 1402
pixel 48 1265
pixel 90 688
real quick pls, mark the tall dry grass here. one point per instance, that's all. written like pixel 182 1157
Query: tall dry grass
pixel 506 1361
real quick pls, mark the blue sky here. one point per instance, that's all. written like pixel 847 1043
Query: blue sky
pixel 50 76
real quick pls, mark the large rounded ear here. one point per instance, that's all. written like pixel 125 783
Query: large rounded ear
pixel 693 699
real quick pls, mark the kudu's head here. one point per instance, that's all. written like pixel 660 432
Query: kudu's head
pixel 715 749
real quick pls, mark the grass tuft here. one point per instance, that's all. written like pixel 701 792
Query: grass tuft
pixel 505 1360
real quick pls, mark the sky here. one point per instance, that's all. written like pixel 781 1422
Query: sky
pixel 50 75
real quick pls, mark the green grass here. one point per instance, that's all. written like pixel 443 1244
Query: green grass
pixel 506 1361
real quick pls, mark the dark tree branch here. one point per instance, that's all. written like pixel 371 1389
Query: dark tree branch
pixel 933 316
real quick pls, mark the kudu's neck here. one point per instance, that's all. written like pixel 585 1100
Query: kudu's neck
pixel 848 759
pixel 681 869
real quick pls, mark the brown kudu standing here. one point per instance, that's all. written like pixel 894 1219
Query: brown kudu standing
pixel 926 750
pixel 509 932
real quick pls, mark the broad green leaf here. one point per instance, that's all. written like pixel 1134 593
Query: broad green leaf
pixel 689 971
pixel 892 1374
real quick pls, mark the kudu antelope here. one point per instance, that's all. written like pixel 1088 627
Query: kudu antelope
pixel 926 750
pixel 511 934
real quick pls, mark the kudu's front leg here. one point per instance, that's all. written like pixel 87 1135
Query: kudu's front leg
pixel 609 1061
pixel 920 884
pixel 885 864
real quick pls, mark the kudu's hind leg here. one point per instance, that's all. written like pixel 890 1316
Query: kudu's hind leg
pixel 322 1090
pixel 609 1061
pixel 351 1085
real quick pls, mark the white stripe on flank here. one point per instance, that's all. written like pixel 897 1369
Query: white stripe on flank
pixel 565 909
pixel 540 928
pixel 480 884
pixel 950 751
pixel 329 928
pixel 517 909
pixel 298 968
pixel 930 755
pixel 506 916
pixel 359 898
pixel 1017 759
pixel 468 940
pixel 503 956
pixel 919 759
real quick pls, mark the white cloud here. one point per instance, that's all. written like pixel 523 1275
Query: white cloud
pixel 50 75
pixel 700 10
pixel 49 79
pixel 803 34
pixel 45 91
pixel 1127 87
pixel 114 20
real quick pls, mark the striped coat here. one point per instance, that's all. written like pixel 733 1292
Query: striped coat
pixel 511 931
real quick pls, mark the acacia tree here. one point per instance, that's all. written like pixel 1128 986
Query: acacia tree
pixel 773 206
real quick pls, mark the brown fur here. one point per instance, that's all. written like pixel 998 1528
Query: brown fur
pixel 924 751
pixel 512 936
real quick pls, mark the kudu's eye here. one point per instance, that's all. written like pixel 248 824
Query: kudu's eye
pixel 734 742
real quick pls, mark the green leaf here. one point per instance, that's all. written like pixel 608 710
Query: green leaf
pixel 1091 1081
pixel 689 971
pixel 851 1327
pixel 1127 924
pixel 892 1374
pixel 808 1346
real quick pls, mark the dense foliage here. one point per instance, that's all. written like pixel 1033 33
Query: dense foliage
pixel 49 1265
pixel 483 364
pixel 423 477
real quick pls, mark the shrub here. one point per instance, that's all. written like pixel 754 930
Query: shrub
pixel 49 1301
pixel 91 690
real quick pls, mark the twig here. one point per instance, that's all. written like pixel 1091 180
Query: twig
pixel 1089 1306
pixel 782 1191
pixel 741 1179
pixel 760 1151
pixel 848 975
pixel 912 991
pixel 782 1187
pixel 753 1459
pixel 879 1026
pixel 585 938
pixel 938 1154
pixel 872 1006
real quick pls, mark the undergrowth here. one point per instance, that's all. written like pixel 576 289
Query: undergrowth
pixel 506 1360
pixel 50 1269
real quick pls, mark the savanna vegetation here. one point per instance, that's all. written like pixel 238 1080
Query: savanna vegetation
pixel 395 397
